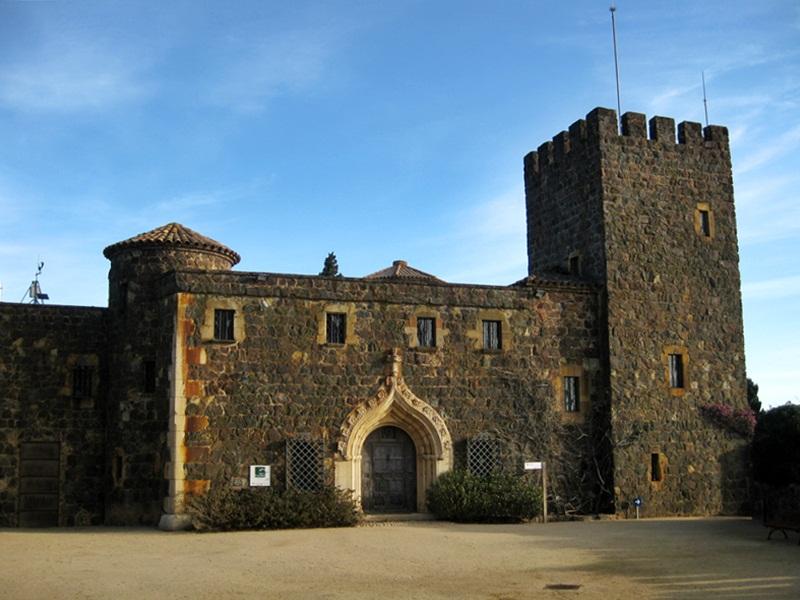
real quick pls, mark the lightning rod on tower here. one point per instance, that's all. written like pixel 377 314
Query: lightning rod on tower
pixel 613 9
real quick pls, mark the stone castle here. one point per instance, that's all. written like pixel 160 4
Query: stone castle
pixel 599 362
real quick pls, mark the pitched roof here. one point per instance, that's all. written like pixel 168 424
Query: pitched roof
pixel 401 270
pixel 174 235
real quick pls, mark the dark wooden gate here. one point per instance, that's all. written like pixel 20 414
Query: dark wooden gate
pixel 388 471
pixel 39 476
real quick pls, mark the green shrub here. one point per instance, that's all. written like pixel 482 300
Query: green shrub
pixel 776 446
pixel 226 509
pixel 499 498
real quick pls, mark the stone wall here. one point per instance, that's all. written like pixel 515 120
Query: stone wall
pixel 141 330
pixel 670 288
pixel 280 379
pixel 40 346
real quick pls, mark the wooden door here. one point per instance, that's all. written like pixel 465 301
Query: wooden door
pixel 388 471
pixel 40 474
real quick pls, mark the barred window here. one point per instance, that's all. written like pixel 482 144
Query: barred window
pixel 426 332
pixel 335 328
pixel 223 325
pixel 676 371
pixel 572 394
pixel 492 335
pixel 483 455
pixel 304 464
pixel 82 382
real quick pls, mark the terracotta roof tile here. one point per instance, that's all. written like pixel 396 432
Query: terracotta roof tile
pixel 401 270
pixel 172 234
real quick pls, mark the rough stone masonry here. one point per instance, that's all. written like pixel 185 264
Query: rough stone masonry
pixel 599 362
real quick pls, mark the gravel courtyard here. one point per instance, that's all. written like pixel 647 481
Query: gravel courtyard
pixel 670 558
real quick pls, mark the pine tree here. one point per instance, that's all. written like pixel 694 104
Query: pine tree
pixel 331 266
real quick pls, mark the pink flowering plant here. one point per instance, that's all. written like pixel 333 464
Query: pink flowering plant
pixel 742 421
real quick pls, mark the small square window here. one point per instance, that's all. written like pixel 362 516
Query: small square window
pixel 82 382
pixel 223 325
pixel 676 371
pixel 336 328
pixel 426 332
pixel 492 335
pixel 572 394
pixel 149 383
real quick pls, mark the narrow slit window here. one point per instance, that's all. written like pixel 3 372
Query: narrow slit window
pixel 575 264
pixel 705 223
pixel 676 371
pixel 656 473
pixel 123 297
pixel 426 332
pixel 492 335
pixel 149 383
pixel 223 325
pixel 572 394
pixel 82 382
pixel 336 331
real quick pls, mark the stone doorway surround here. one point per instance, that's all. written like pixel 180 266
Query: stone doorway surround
pixel 396 405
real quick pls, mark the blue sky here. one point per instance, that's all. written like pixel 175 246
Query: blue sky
pixel 378 130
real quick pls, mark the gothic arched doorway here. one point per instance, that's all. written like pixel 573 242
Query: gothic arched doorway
pixel 388 471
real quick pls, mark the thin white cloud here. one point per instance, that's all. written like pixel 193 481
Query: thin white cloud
pixel 490 237
pixel 70 75
pixel 286 63
pixel 781 145
pixel 771 289
pixel 189 202
pixel 756 190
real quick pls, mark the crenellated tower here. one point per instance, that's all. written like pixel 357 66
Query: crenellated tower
pixel 651 220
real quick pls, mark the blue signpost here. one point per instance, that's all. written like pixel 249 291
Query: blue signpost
pixel 637 502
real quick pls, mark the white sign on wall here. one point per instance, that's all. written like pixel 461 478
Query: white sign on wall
pixel 533 466
pixel 259 475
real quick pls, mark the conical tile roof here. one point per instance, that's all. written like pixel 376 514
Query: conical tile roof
pixel 172 235
pixel 401 270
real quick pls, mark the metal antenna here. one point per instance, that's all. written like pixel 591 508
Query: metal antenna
pixel 35 291
pixel 613 9
pixel 705 100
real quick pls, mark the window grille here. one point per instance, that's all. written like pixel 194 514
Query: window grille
pixel 336 324
pixel 82 382
pixel 572 394
pixel 426 332
pixel 304 464
pixel 223 325
pixel 676 370
pixel 492 335
pixel 483 455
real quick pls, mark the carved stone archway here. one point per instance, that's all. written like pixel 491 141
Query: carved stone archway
pixel 395 404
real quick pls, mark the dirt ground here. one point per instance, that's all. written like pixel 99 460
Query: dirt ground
pixel 670 558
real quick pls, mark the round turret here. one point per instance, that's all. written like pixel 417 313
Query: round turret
pixel 138 261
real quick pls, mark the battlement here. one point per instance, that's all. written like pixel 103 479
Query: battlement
pixel 601 127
